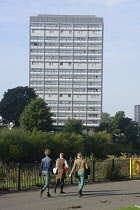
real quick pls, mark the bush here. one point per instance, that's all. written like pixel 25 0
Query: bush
pixel 114 173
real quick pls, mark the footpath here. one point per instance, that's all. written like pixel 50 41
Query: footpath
pixel 96 196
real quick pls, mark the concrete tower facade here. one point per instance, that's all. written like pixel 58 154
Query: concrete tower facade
pixel 137 113
pixel 66 65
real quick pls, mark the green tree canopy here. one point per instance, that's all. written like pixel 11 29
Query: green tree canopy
pixel 131 133
pixel 73 125
pixel 14 102
pixel 19 145
pixel 37 116
pixel 69 143
pixel 14 145
pixel 123 123
pixel 99 144
pixel 120 122
pixel 114 125
pixel 105 123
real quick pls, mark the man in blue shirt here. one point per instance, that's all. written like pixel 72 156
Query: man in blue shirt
pixel 46 168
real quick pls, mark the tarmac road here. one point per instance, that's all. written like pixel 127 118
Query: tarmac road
pixel 96 196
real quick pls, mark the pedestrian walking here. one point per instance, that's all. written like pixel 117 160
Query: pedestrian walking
pixel 61 167
pixel 80 165
pixel 45 170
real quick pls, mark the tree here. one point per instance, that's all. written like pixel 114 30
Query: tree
pixel 109 124
pixel 37 116
pixel 73 125
pixel 119 115
pixel 131 133
pixel 99 144
pixel 14 102
pixel 14 145
pixel 120 122
pixel 105 123
pixel 114 125
pixel 69 143
pixel 124 122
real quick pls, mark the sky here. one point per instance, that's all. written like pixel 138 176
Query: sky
pixel 121 53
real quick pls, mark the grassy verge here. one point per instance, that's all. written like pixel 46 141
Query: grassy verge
pixel 130 208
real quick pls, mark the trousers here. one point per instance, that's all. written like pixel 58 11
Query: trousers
pixel 60 181
pixel 46 176
pixel 81 178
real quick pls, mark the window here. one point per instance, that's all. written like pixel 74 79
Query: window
pixel 37 24
pixel 65 25
pixel 80 25
pixel 36 31
pixel 51 25
pixel 69 95
pixel 35 63
pixel 80 64
pixel 61 63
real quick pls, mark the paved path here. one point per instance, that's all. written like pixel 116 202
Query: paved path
pixel 96 196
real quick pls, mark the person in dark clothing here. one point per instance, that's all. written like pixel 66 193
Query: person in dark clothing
pixel 46 168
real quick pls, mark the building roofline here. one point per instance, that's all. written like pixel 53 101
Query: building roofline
pixel 67 18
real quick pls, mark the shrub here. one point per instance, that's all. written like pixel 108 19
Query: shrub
pixel 114 173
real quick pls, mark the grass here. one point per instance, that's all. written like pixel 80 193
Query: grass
pixel 130 208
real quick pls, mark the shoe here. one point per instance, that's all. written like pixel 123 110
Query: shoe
pixel 62 191
pixel 54 190
pixel 48 194
pixel 41 193
pixel 80 193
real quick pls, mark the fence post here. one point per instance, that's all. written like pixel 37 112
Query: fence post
pixel 93 170
pixel 19 166
pixel 112 165
pixel 71 178
pixel 131 168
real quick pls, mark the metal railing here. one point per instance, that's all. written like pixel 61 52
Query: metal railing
pixel 16 176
